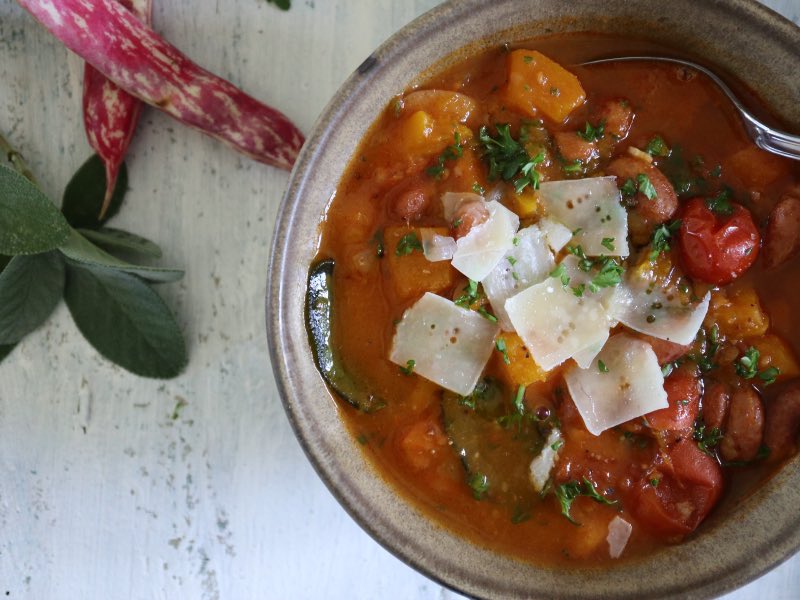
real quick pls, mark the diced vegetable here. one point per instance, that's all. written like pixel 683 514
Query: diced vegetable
pixel 416 133
pixel 436 246
pixel 526 203
pixel 775 353
pixel 555 323
pixel 619 532
pixel 319 316
pixel 630 384
pixel 448 345
pixel 756 168
pixel 527 262
pixel 738 315
pixel 543 465
pixel 538 84
pixel 591 209
pixel 486 244
pixel 111 39
pixel 496 444
pixel 412 273
pixel 443 105
pixel 520 369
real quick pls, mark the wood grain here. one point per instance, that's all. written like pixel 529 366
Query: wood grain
pixel 119 487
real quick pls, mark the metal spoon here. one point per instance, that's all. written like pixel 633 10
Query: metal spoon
pixel 765 137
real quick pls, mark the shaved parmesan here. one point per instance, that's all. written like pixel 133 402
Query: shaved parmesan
pixel 591 209
pixel 619 532
pixel 658 312
pixel 542 465
pixel 632 385
pixel 452 201
pixel 437 247
pixel 528 262
pixel 448 344
pixel 554 323
pixel 585 358
pixel 556 234
pixel 478 252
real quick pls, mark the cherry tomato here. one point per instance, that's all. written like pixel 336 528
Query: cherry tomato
pixel 717 248
pixel 683 395
pixel 677 502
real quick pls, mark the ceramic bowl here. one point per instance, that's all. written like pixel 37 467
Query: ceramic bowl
pixel 736 545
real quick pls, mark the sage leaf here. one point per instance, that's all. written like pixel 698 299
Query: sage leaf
pixel 80 250
pixel 3 262
pixel 116 239
pixel 5 351
pixel 84 194
pixel 125 320
pixel 30 289
pixel 29 222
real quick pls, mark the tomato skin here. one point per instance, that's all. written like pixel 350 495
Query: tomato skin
pixel 688 489
pixel 683 394
pixel 717 249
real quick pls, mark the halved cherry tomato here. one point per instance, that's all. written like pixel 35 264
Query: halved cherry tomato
pixel 683 395
pixel 717 248
pixel 675 503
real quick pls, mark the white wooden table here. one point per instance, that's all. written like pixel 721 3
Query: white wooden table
pixel 103 493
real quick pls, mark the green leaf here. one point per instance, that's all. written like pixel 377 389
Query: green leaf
pixel 5 351
pixel 29 222
pixel 30 288
pixel 125 320
pixel 117 239
pixel 3 262
pixel 81 250
pixel 84 194
pixel 282 4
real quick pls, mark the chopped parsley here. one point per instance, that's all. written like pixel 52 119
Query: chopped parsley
pixel 579 289
pixel 707 439
pixel 478 189
pixel 561 273
pixel 407 244
pixel 500 346
pixel 519 400
pixel 567 492
pixel 747 365
pixel 629 188
pixel 479 483
pixel 601 366
pixel 657 147
pixel 610 275
pixel 655 481
pixel 470 295
pixel 528 59
pixel 721 203
pixel 409 368
pixel 646 186
pixel 608 243
pixel 575 166
pixel 592 133
pixel 554 91
pixel 661 237
pixel 508 159
pixel 487 315
pixel 452 152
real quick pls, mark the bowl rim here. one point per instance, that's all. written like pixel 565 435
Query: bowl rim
pixel 281 316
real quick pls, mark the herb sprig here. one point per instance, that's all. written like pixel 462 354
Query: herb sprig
pixel 567 492
pixel 72 254
pixel 508 159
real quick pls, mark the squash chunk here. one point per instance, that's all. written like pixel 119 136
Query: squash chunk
pixel 757 168
pixel 538 84
pixel 775 352
pixel 412 274
pixel 739 315
pixel 521 368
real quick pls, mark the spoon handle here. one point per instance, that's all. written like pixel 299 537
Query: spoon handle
pixel 777 142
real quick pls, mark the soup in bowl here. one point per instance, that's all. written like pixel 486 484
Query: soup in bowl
pixel 550 345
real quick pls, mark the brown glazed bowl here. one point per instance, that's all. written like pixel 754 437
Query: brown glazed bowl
pixel 735 546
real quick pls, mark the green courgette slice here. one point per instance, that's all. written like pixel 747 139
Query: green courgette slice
pixel 319 319
pixel 496 445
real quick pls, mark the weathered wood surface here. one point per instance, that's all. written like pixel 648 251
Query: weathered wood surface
pixel 103 493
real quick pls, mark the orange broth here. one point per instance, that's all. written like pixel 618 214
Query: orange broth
pixel 406 440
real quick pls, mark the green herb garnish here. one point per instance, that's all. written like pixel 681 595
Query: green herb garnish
pixel 409 368
pixel 608 243
pixel 721 203
pixel 479 483
pixel 407 244
pixel 646 186
pixel 592 133
pixel 452 152
pixel 500 346
pixel 601 366
pixel 657 147
pixel 661 238
pixel 567 492
pixel 707 439
pixel 508 160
